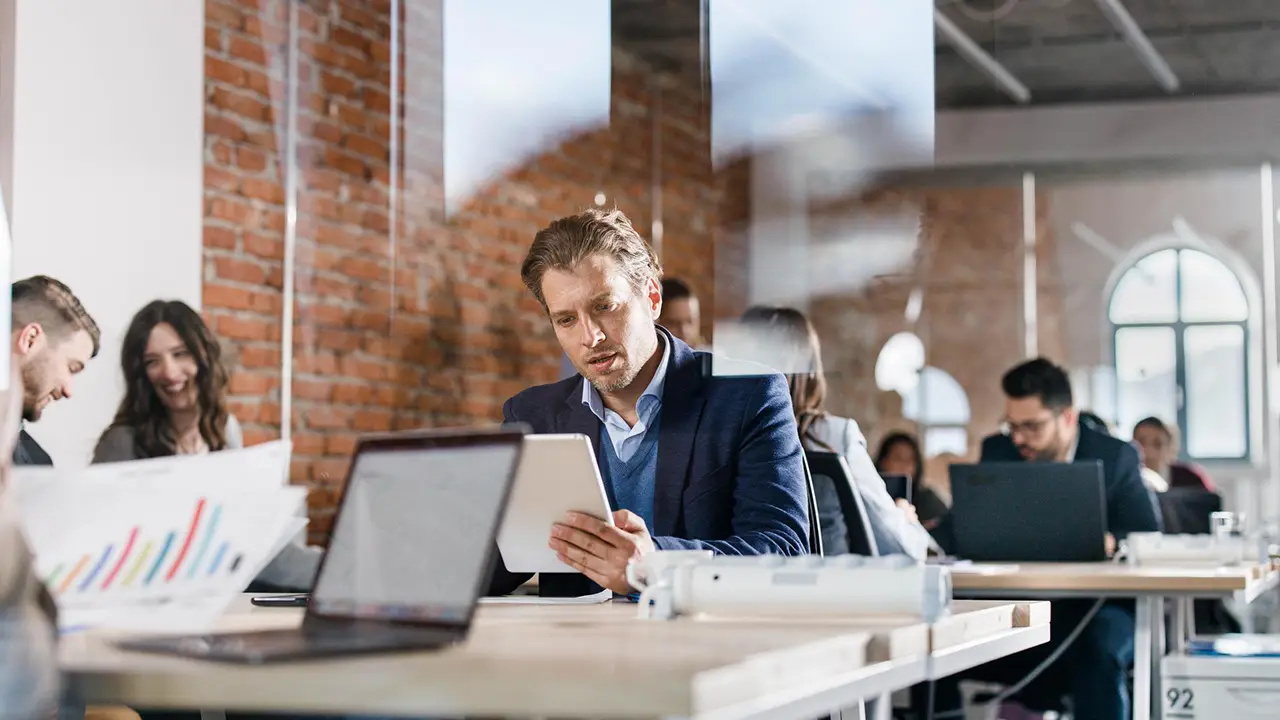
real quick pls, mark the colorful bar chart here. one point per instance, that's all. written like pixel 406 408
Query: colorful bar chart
pixel 157 545
pixel 196 550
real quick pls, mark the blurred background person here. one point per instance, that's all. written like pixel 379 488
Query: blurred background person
pixel 893 523
pixel 1159 445
pixel 681 313
pixel 29 684
pixel 900 454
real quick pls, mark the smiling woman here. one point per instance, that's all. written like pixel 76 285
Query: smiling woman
pixel 175 389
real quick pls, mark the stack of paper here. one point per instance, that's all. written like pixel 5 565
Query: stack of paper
pixel 160 544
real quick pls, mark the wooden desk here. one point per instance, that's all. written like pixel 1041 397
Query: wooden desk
pixel 570 661
pixel 1064 580
pixel 1148 585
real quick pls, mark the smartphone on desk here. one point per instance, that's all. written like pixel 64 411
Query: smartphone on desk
pixel 280 601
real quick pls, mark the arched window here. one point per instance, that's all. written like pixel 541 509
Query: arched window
pixel 930 396
pixel 1181 344
pixel 940 407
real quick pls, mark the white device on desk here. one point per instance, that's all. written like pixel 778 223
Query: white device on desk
pixel 558 474
pixel 1153 548
pixel 687 583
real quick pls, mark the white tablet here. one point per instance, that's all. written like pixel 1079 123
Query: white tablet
pixel 557 474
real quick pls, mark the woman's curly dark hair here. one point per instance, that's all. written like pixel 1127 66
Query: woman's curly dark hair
pixel 141 408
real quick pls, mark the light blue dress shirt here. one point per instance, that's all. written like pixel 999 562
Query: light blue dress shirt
pixel 626 440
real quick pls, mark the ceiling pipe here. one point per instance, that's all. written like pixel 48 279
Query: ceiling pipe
pixel 1119 16
pixel 980 59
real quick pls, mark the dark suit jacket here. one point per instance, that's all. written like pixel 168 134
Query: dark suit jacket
pixel 730 475
pixel 1131 507
pixel 28 452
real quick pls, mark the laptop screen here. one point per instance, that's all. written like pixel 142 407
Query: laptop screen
pixel 412 540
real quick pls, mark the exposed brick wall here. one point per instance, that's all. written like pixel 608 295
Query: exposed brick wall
pixel 971 322
pixel 436 329
pixel 245 54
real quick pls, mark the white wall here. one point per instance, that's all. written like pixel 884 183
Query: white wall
pixel 1233 128
pixel 106 157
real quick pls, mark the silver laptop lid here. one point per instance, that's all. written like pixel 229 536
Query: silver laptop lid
pixel 414 535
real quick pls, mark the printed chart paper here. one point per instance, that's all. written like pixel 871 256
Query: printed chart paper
pixel 139 553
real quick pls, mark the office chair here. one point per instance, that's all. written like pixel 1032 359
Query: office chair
pixel 1188 511
pixel 817 538
pixel 847 530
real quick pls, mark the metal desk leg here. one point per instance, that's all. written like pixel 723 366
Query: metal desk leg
pixel 1158 650
pixel 859 712
pixel 1143 647
pixel 1182 624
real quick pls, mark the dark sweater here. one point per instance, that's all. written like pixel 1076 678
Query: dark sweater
pixel 29 452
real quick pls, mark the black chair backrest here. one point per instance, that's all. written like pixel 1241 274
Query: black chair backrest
pixel 1188 510
pixel 817 546
pixel 840 505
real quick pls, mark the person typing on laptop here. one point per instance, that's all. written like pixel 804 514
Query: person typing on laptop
pixel 690 462
pixel 1042 425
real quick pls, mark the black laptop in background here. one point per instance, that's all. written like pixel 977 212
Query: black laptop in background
pixel 409 557
pixel 1029 512
pixel 899 486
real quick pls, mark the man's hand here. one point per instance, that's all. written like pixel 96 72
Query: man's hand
pixel 599 550
pixel 1110 544
pixel 909 509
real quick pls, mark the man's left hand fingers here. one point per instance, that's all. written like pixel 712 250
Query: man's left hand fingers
pixel 592 526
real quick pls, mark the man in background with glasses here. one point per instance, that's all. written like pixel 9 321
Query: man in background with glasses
pixel 1042 424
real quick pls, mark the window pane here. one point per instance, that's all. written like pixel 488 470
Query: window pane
pixel 1147 292
pixel 1104 393
pixel 1216 414
pixel 1210 291
pixel 1145 380
pixel 936 399
pixel 939 440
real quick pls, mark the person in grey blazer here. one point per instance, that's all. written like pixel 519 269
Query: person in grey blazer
pixel 175 403
pixel 894 524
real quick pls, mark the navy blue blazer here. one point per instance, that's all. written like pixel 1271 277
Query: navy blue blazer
pixel 730 475
pixel 1131 506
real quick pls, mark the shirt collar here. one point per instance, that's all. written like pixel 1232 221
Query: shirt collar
pixel 1075 445
pixel 591 398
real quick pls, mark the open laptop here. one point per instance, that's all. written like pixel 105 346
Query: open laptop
pixel 410 554
pixel 1029 512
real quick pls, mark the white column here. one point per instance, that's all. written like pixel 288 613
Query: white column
pixel 101 156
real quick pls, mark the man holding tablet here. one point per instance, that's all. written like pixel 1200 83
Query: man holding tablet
pixel 690 461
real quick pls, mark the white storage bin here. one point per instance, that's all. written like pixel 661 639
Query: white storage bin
pixel 1208 687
